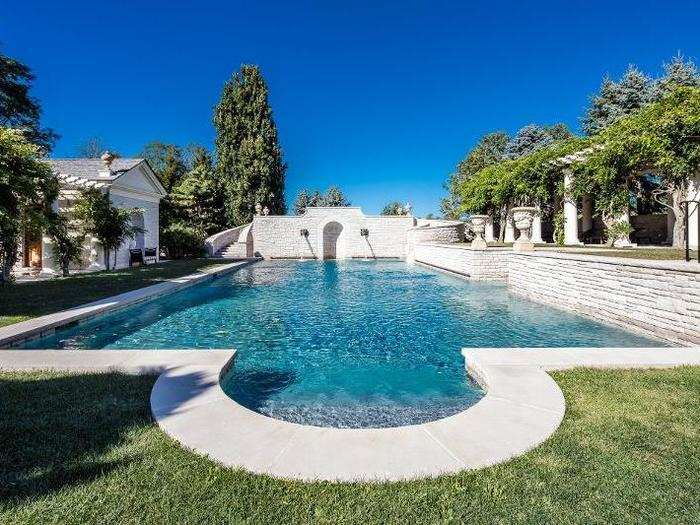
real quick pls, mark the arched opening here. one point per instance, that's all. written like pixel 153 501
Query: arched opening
pixel 332 241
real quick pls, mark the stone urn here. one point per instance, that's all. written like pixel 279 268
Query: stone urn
pixel 523 217
pixel 478 223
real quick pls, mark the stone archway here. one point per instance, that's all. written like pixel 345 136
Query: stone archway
pixel 332 241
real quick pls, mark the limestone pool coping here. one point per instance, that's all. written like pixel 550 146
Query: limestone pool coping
pixel 41 326
pixel 522 407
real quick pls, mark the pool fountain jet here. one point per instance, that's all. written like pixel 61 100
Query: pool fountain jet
pixel 305 234
pixel 364 232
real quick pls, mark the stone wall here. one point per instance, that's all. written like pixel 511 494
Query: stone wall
pixel 150 224
pixel 340 228
pixel 656 298
pixel 480 265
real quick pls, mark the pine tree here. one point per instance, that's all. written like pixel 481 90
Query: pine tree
pixel 198 199
pixel 249 157
pixel 533 137
pixel 678 72
pixel 335 197
pixel 301 202
pixel 617 99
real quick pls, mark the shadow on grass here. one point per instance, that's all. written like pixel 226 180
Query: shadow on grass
pixel 59 430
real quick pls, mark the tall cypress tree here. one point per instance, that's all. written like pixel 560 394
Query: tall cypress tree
pixel 249 157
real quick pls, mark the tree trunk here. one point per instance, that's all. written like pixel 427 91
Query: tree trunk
pixel 106 257
pixel 679 213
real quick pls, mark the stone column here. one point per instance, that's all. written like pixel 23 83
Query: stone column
pixel 48 265
pixel 570 213
pixel 96 255
pixel 694 211
pixel 510 230
pixel 536 233
pixel 488 232
pixel 623 242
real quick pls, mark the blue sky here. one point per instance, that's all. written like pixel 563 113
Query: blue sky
pixel 380 98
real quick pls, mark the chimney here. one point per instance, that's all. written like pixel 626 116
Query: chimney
pixel 107 159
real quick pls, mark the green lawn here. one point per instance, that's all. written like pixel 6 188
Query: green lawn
pixel 83 449
pixel 659 254
pixel 22 301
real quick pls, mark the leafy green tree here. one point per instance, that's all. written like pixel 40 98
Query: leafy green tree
pixel 334 196
pixel 93 148
pixel 110 225
pixel 533 137
pixel 678 72
pixel 180 240
pixel 67 241
pixel 249 156
pixel 27 190
pixel 18 109
pixel 301 202
pixel 489 150
pixel 616 100
pixel 659 138
pixel 168 163
pixel 198 199
pixel 394 208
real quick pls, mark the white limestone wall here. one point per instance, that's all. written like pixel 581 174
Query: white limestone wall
pixel 480 265
pixel 279 236
pixel 150 222
pixel 654 298
pixel 660 299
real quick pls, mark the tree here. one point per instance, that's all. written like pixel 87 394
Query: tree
pixel 489 150
pixel 18 109
pixel 678 72
pixel 395 208
pixel 93 148
pixel 334 196
pixel 168 164
pixel 249 157
pixel 533 137
pixel 616 100
pixel 67 242
pixel 27 190
pixel 198 199
pixel 301 202
pixel 111 226
pixel 659 139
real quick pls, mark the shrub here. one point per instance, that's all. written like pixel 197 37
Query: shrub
pixel 180 241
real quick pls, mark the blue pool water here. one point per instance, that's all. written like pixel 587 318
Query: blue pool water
pixel 346 344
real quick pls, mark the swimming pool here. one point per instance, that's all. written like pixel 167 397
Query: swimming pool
pixel 343 344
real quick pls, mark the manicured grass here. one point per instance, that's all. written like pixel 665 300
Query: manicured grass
pixel 22 301
pixel 659 254
pixel 83 449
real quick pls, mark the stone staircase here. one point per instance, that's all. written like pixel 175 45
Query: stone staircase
pixel 230 244
pixel 236 250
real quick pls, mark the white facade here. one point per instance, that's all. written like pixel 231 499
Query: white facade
pixel 130 184
pixel 329 233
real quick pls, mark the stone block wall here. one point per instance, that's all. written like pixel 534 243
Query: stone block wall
pixel 654 298
pixel 660 299
pixel 280 236
pixel 480 265
pixel 150 224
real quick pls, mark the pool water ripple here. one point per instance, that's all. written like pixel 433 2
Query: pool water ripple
pixel 344 344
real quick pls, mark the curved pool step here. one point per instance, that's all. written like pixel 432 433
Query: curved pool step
pixel 522 407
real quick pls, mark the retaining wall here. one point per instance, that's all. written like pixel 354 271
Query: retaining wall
pixel 655 298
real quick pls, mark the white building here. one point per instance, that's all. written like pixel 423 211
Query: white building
pixel 130 183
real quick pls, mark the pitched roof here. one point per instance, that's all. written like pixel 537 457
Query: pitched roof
pixel 90 169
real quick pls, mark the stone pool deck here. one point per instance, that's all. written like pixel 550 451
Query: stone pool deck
pixel 522 407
